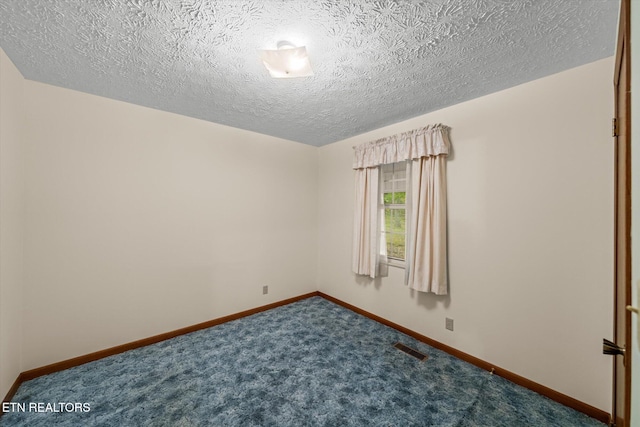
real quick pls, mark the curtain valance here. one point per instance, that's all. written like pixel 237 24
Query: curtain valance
pixel 427 141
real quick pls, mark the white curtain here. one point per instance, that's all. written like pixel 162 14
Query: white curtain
pixel 365 220
pixel 426 256
pixel 423 142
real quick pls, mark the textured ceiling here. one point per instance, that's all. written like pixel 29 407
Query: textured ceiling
pixel 374 62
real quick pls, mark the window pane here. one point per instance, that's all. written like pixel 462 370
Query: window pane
pixel 394 197
pixel 390 220
pixel 401 247
pixel 394 220
pixel 399 198
pixel 390 249
pixel 395 246
pixel 398 221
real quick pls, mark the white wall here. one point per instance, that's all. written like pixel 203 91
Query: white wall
pixel 141 221
pixel 11 222
pixel 530 199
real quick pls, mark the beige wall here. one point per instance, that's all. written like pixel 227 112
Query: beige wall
pixel 530 232
pixel 141 221
pixel 11 222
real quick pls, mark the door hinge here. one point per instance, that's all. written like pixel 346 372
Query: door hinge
pixel 614 127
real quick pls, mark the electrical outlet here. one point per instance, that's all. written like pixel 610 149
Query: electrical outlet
pixel 265 289
pixel 449 324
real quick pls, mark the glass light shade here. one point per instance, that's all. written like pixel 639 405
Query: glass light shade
pixel 287 63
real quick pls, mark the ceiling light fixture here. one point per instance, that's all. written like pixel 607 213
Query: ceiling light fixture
pixel 287 61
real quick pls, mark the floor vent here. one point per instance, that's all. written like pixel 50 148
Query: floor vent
pixel 411 352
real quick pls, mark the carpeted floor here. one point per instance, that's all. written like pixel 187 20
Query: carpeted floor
pixel 311 363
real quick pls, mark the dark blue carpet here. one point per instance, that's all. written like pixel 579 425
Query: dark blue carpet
pixel 311 363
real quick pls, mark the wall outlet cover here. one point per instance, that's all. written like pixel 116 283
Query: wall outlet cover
pixel 449 324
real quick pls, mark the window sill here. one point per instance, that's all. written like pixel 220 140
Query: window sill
pixel 395 264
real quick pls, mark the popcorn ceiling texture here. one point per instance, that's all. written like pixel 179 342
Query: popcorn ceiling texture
pixel 375 62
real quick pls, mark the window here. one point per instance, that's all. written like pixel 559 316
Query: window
pixel 386 200
pixel 394 192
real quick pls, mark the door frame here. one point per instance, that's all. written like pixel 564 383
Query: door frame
pixel 621 399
